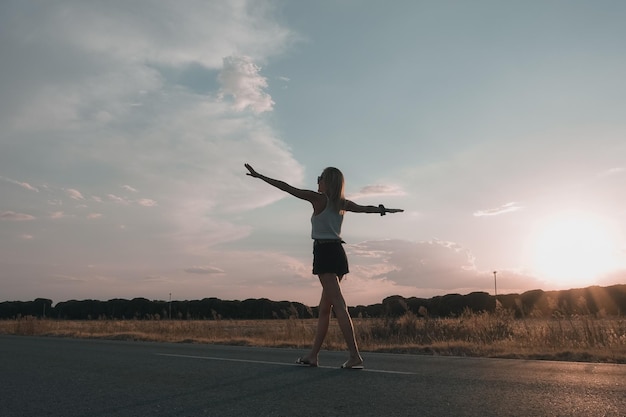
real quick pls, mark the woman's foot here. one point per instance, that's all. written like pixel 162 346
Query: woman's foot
pixel 353 363
pixel 306 362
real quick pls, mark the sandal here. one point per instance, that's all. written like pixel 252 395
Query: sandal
pixel 348 365
pixel 306 362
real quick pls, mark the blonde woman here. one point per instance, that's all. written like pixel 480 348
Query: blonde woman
pixel 330 263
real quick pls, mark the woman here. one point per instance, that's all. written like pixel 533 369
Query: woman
pixel 330 263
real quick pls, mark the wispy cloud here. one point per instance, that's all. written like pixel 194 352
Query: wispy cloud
pixel 154 279
pixel 378 190
pixel 57 215
pixel 612 171
pixel 13 216
pixel 409 268
pixel 61 279
pixel 74 194
pixel 146 202
pixel 204 270
pixel 413 263
pixel 505 208
pixel 20 183
pixel 117 199
pixel 129 188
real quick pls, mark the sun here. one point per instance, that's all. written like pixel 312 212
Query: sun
pixel 573 248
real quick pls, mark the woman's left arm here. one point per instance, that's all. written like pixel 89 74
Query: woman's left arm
pixel 380 209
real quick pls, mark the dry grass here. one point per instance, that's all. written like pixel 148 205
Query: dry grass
pixel 500 335
pixel 472 334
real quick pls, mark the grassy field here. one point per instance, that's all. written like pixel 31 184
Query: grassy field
pixel 472 334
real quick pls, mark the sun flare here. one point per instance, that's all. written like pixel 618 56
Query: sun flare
pixel 574 248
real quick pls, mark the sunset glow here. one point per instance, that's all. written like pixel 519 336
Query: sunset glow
pixel 574 248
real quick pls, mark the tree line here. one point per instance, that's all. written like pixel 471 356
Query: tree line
pixel 590 301
pixel 596 301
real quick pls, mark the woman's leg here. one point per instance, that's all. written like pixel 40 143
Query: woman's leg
pixel 323 322
pixel 332 293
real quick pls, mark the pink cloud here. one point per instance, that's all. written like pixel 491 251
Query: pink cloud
pixel 74 194
pixel 13 216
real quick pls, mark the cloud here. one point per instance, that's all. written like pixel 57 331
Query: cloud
pixel 446 264
pixel 240 80
pixel 108 51
pixel 413 263
pixel 55 202
pixel 156 279
pixel 117 199
pixel 74 194
pixel 87 104
pixel 57 215
pixel 20 183
pixel 427 268
pixel 129 188
pixel 285 82
pixel 204 270
pixel 13 216
pixel 378 190
pixel 611 172
pixel 146 202
pixel 262 273
pixel 505 208
pixel 68 279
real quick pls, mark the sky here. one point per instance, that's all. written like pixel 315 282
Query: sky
pixel 124 128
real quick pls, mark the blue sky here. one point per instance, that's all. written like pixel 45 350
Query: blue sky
pixel 498 126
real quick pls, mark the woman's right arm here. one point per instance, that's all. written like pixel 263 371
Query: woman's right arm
pixel 308 195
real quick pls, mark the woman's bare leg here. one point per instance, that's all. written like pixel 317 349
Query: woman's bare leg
pixel 323 321
pixel 332 293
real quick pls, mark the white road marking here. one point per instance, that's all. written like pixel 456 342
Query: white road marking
pixel 213 358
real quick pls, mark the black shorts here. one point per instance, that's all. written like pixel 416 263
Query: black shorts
pixel 329 257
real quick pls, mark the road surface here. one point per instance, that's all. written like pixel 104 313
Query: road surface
pixel 78 377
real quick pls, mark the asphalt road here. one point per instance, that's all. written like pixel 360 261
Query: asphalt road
pixel 77 377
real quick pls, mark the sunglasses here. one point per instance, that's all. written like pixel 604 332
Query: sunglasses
pixel 319 179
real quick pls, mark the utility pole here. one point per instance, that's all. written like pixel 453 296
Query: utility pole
pixel 170 306
pixel 495 287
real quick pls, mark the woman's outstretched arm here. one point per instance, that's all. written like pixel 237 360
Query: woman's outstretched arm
pixel 307 195
pixel 380 209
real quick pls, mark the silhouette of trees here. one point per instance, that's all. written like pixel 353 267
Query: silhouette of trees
pixel 40 307
pixel 596 301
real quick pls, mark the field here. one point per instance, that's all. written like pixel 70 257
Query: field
pixel 496 335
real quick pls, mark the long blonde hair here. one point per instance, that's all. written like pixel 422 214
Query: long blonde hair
pixel 334 182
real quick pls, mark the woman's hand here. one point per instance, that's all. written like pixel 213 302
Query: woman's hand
pixel 384 210
pixel 388 210
pixel 252 172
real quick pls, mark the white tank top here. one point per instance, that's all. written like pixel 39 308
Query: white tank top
pixel 327 224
